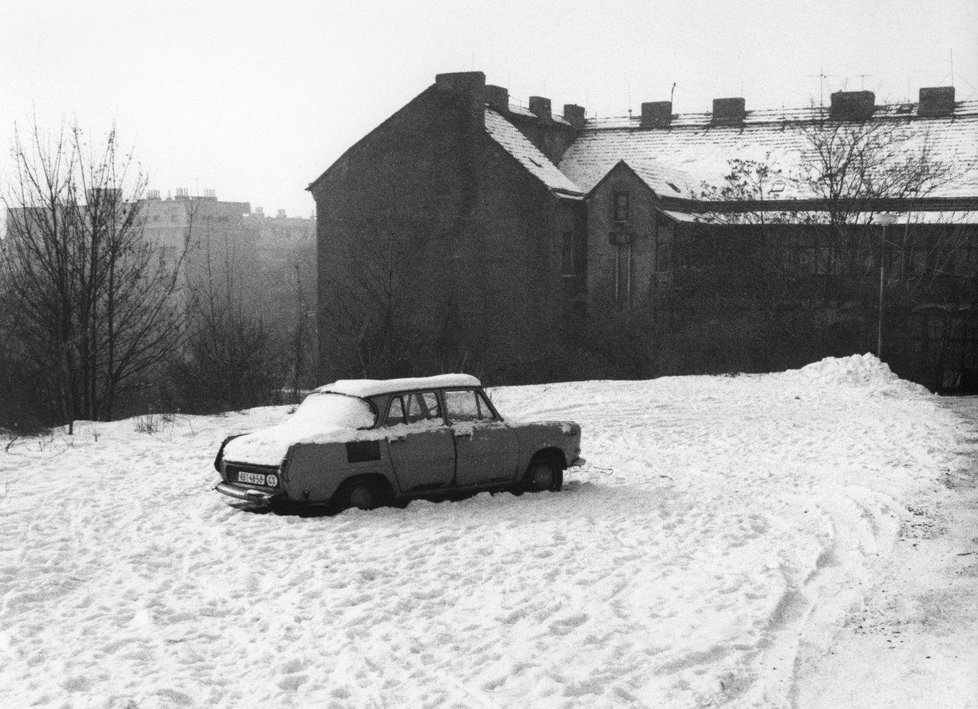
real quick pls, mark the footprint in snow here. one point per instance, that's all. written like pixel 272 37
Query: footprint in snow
pixel 563 626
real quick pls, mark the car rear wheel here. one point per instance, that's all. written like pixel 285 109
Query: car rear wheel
pixel 544 474
pixel 363 494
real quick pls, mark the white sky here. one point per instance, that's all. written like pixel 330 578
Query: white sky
pixel 256 99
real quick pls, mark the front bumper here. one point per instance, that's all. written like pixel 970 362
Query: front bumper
pixel 261 498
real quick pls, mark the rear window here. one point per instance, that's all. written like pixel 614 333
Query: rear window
pixel 327 410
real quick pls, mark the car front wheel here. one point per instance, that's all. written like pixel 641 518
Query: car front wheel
pixel 543 475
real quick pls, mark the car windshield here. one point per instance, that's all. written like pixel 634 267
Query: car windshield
pixel 325 410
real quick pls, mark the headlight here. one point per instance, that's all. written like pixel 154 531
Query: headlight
pixel 271 480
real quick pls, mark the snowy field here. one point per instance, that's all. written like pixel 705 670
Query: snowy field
pixel 730 543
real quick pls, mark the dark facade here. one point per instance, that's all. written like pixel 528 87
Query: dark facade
pixel 438 250
pixel 469 233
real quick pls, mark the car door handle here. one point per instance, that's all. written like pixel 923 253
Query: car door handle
pixel 463 434
pixel 396 439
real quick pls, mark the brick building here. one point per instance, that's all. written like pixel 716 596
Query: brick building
pixel 468 232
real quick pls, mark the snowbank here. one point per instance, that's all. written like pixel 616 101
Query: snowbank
pixel 864 370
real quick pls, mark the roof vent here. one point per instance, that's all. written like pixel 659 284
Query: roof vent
pixel 497 97
pixel 852 105
pixel 728 111
pixel 574 115
pixel 656 114
pixel 540 107
pixel 936 101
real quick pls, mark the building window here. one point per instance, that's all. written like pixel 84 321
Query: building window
pixel 623 276
pixel 621 210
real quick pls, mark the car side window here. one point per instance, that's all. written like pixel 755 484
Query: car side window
pixel 395 412
pixel 485 411
pixel 467 406
pixel 422 406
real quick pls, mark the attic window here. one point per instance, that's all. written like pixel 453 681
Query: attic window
pixel 533 160
pixel 778 187
pixel 621 207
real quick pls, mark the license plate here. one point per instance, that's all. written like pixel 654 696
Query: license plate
pixel 251 478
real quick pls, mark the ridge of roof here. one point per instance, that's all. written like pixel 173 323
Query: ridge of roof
pixel 701 119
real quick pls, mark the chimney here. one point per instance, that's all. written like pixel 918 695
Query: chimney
pixel 498 98
pixel 936 101
pixel 728 111
pixel 462 82
pixel 540 107
pixel 182 193
pixel 574 115
pixel 852 105
pixel 656 114
pixel 468 84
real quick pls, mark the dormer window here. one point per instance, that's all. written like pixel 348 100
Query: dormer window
pixel 621 210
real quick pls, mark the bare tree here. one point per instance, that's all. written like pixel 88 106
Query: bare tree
pixel 231 360
pixel 301 335
pixel 92 310
pixel 370 313
pixel 857 171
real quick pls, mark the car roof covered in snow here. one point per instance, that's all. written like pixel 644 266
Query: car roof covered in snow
pixel 372 387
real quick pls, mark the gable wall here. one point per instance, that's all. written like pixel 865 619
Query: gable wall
pixel 473 233
pixel 602 254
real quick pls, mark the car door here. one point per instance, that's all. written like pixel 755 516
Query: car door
pixel 486 448
pixel 420 445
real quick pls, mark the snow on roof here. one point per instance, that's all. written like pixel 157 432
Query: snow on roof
pixel 694 146
pixel 526 112
pixel 529 156
pixel 664 180
pixel 372 387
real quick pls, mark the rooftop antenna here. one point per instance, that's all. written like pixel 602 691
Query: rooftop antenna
pixel 672 91
pixel 822 76
pixel 952 67
pixel 862 81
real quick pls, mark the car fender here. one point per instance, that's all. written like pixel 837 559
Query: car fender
pixel 562 436
pixel 316 470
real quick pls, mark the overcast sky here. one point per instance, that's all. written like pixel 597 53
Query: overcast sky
pixel 256 99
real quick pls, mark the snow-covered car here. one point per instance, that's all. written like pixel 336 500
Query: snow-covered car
pixel 366 443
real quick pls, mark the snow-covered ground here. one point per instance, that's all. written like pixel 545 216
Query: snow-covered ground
pixel 798 539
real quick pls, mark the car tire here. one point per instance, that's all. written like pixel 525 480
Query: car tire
pixel 363 494
pixel 544 474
